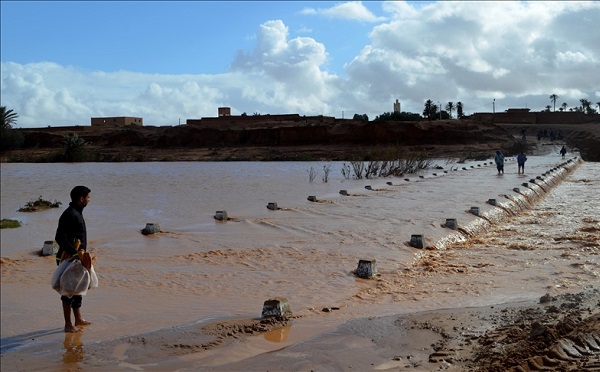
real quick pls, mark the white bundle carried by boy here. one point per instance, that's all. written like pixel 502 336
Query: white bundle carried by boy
pixel 74 276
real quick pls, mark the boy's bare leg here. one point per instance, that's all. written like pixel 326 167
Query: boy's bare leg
pixel 68 324
pixel 79 321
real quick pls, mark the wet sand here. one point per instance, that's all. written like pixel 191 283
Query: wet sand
pixel 426 333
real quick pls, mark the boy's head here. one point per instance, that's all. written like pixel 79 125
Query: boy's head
pixel 78 193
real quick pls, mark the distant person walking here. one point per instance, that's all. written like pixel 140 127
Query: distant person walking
pixel 563 152
pixel 499 159
pixel 71 236
pixel 521 159
pixel 523 134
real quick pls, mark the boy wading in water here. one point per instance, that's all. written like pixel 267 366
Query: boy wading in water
pixel 71 237
pixel 499 159
pixel 521 159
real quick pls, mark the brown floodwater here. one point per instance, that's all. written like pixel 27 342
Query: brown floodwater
pixel 200 269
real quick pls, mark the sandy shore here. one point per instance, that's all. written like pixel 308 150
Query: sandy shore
pixel 560 333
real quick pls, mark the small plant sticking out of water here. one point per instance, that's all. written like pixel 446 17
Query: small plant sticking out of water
pixel 326 171
pixel 398 166
pixel 346 171
pixel 39 204
pixel 312 174
pixel 9 224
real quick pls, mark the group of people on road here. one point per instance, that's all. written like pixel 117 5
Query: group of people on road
pixel 558 135
pixel 521 159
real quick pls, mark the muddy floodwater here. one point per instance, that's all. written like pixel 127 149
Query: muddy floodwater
pixel 199 269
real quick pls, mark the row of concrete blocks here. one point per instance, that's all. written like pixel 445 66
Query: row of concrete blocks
pixel 368 268
pixel 418 240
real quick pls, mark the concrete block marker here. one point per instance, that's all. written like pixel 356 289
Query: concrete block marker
pixel 539 178
pixel 525 184
pixel 474 210
pixel 151 228
pixel 406 179
pixel 516 189
pixel 221 216
pixel 451 223
pixel 366 269
pixel 417 241
pixel 276 307
pixel 532 180
pixel 435 174
pixel 445 171
pixel 272 206
pixel 49 248
pixel 344 192
pixel 389 183
pixel 464 168
pixel 421 176
pixel 492 202
pixel 312 198
pixel 368 187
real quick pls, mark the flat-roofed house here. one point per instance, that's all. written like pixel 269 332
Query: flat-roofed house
pixel 117 121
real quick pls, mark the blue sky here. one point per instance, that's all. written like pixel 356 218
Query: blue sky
pixel 198 37
pixel 64 62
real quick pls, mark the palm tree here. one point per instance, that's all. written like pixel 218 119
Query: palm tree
pixel 73 148
pixel 586 106
pixel 553 98
pixel 450 107
pixel 429 109
pixel 9 137
pixel 459 109
pixel 564 106
pixel 9 117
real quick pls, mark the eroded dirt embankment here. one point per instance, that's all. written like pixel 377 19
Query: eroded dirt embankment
pixel 340 141
pixel 346 140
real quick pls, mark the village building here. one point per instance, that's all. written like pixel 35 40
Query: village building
pixel 117 121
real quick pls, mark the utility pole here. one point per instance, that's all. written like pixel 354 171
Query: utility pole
pixel 494 106
pixel 440 105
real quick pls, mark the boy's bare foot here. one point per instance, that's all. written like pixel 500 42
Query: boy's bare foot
pixel 72 329
pixel 82 322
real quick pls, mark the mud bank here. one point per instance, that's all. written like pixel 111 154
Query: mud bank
pixel 552 333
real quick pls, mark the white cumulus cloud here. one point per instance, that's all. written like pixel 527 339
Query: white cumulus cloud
pixel 353 10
